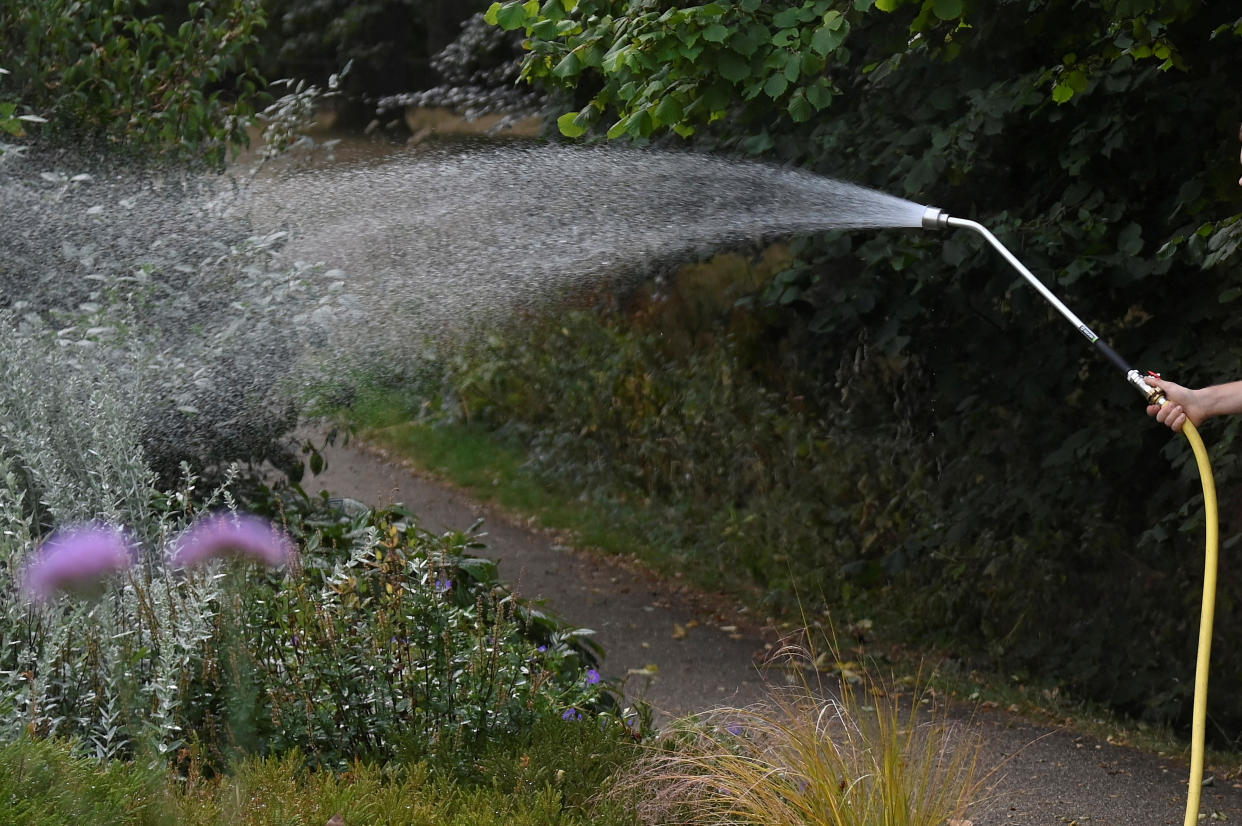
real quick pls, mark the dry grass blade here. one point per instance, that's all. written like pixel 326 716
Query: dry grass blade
pixel 805 756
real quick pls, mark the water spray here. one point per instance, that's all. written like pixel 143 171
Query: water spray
pixel 936 219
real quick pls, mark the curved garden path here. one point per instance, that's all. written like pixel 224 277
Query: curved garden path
pixel 705 656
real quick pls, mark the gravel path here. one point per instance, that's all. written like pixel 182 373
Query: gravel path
pixel 704 656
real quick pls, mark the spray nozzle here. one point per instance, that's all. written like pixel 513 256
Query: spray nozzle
pixel 935 218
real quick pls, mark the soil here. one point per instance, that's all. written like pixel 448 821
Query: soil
pixel 701 651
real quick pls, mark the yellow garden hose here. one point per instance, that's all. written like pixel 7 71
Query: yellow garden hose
pixel 1211 552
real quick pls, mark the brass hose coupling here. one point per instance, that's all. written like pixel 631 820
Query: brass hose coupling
pixel 1153 395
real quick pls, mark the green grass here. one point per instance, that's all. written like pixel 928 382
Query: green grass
pixel 494 470
pixel 550 776
pixel 43 783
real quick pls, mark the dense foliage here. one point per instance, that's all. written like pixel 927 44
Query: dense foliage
pixel 105 71
pixel 1046 525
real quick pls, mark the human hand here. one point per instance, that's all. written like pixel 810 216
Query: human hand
pixel 1182 404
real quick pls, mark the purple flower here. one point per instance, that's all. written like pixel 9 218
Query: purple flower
pixel 444 585
pixel 232 534
pixel 592 676
pixel 571 713
pixel 78 559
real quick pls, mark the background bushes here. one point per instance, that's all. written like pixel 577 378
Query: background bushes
pixel 1005 495
pixel 139 81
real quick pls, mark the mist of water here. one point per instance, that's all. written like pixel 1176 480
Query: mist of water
pixel 230 285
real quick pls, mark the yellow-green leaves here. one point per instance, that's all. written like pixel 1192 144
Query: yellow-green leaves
pixel 1070 83
pixel 567 126
pixel 514 14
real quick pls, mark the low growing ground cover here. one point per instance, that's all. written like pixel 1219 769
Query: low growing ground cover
pixel 551 774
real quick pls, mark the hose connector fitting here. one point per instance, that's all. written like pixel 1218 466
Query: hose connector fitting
pixel 1153 395
pixel 935 218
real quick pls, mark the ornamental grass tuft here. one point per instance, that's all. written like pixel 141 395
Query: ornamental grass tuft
pixel 856 755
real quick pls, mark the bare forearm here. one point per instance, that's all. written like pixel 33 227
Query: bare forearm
pixel 1220 399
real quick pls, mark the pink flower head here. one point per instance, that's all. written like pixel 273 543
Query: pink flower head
pixel 78 559
pixel 232 534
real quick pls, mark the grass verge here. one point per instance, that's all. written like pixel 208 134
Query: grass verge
pixel 550 776
pixel 494 470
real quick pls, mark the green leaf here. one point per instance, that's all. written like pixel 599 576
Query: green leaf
pixel 643 124
pixel 745 43
pixel 481 570
pixel 785 19
pixel 667 111
pixel 570 129
pixel 886 5
pixel 615 59
pixel 490 14
pixel 800 109
pixel 826 39
pixel 787 37
pixel 620 127
pixel 820 93
pixel 732 67
pixel 511 16
pixel 792 67
pixel 947 9
pixel 544 30
pixel 1062 92
pixel 716 33
pixel 776 85
pixel 751 5
pixel 1130 241
pixel 568 66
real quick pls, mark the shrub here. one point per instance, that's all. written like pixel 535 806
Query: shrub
pixel 730 469
pixel 395 642
pixel 389 642
pixel 98 71
pixel 357 651
pixel 822 483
